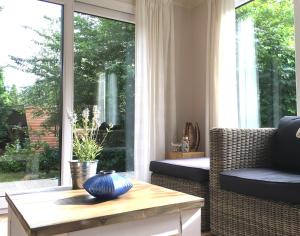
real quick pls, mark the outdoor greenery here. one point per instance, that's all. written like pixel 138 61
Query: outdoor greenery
pixel 4 111
pixel 14 176
pixel 29 157
pixel 8 107
pixel 275 51
pixel 102 46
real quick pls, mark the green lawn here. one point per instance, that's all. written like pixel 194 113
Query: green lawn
pixel 16 176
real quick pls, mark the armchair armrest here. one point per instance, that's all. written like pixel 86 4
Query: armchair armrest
pixel 238 148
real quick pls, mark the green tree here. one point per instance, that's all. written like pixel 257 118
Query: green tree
pixel 14 98
pixel 4 112
pixel 101 46
pixel 44 95
pixel 275 49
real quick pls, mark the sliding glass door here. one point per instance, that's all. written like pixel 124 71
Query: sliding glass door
pixel 30 94
pixel 35 99
pixel 104 76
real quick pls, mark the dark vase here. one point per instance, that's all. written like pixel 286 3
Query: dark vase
pixel 107 185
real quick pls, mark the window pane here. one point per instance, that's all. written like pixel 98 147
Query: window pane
pixel 104 76
pixel 30 78
pixel 266 62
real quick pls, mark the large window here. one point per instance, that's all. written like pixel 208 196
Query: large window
pixel 45 73
pixel 30 82
pixel 265 62
pixel 104 76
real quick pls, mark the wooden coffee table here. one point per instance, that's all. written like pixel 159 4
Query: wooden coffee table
pixel 145 210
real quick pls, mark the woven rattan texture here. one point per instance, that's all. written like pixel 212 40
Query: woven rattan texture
pixel 189 187
pixel 234 214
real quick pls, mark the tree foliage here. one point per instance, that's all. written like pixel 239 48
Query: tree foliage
pixel 9 101
pixel 275 49
pixel 100 46
pixel 4 111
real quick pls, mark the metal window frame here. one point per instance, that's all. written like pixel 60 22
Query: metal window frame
pixel 240 3
pixel 112 9
pixel 297 49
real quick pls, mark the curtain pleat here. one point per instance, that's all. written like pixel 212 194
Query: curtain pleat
pixel 220 83
pixel 155 103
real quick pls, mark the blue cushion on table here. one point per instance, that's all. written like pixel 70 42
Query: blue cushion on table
pixel 286 146
pixel 196 169
pixel 269 184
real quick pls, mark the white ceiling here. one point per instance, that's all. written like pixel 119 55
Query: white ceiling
pixel 183 3
pixel 189 3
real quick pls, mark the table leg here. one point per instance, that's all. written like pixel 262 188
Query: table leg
pixel 191 222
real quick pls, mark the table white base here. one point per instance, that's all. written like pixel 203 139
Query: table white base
pixel 186 223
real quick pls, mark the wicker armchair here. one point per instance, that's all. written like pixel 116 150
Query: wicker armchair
pixel 235 214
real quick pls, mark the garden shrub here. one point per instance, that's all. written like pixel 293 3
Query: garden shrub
pixel 50 159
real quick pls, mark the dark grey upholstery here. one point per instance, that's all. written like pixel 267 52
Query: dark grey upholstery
pixel 286 147
pixel 263 183
pixel 240 214
pixel 196 169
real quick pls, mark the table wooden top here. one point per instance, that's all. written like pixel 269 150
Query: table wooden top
pixel 56 212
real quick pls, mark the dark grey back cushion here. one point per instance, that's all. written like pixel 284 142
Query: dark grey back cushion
pixel 286 146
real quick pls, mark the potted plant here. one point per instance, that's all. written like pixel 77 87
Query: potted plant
pixel 86 145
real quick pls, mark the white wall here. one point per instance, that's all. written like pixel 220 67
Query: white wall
pixel 190 46
pixel 199 44
pixel 183 66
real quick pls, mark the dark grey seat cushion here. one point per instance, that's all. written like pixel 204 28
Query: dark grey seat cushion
pixel 263 183
pixel 286 147
pixel 196 169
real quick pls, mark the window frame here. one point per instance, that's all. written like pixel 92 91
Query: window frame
pixel 240 3
pixel 297 49
pixel 112 9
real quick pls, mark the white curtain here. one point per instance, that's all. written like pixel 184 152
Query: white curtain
pixel 247 78
pixel 220 82
pixel 155 122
